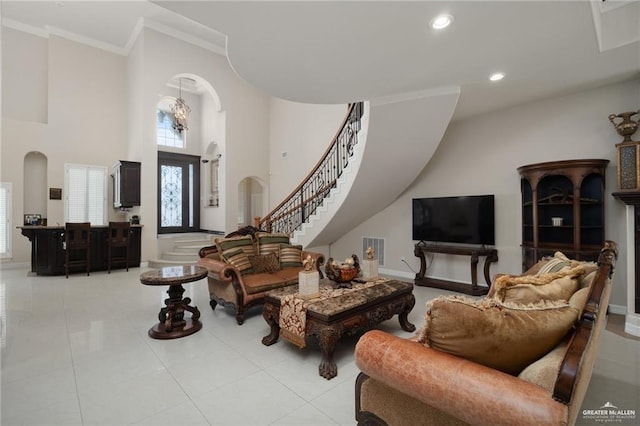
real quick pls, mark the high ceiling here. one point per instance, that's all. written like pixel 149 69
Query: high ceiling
pixel 338 52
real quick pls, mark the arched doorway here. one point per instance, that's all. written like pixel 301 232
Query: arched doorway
pixel 250 201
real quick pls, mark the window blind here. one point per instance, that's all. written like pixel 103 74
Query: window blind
pixel 86 194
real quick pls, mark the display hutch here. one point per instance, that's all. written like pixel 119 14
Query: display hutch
pixel 562 209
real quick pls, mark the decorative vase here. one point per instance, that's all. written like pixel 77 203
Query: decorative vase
pixel 628 151
pixel 626 127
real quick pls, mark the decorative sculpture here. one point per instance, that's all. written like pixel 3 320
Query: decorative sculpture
pixel 309 263
pixel 343 273
pixel 371 254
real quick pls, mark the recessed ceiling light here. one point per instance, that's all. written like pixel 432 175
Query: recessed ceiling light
pixel 496 76
pixel 441 21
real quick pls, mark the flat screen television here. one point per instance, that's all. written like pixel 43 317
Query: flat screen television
pixel 461 220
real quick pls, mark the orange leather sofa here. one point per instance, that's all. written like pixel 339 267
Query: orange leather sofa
pixel 403 382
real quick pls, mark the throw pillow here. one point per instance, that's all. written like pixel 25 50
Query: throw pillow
pixel 264 263
pixel 555 264
pixel 270 243
pixel 290 255
pixel 507 337
pixel 548 264
pixel 238 258
pixel 245 242
pixel 527 289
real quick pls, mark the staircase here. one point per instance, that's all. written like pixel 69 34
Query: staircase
pixel 180 249
pixel 380 149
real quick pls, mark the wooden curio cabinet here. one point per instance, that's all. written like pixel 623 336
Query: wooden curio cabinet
pixel 562 209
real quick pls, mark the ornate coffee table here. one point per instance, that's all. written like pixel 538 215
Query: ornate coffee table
pixel 172 322
pixel 346 314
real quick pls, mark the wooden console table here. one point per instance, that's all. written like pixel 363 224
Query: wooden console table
pixel 475 252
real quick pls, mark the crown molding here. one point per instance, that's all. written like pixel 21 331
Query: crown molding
pixel 196 41
pixel 19 26
pixel 124 51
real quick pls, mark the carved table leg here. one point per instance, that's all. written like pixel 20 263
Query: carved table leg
pixel 172 322
pixel 403 316
pixel 271 315
pixel 493 257
pixel 327 340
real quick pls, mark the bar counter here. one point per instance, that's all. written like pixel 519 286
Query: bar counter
pixel 47 252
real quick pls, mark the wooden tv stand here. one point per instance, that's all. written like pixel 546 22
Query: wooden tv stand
pixel 475 252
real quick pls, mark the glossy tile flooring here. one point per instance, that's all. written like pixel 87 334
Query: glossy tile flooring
pixel 76 351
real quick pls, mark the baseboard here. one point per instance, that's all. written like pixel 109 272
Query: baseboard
pixel 15 265
pixel 395 273
pixel 632 324
pixel 617 309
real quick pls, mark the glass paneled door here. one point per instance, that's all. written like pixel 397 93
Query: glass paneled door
pixel 178 193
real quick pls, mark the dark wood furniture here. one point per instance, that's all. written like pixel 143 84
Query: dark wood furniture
pixel 118 238
pixel 632 198
pixel 490 254
pixel 330 319
pixel 48 255
pixel 172 323
pixel 126 184
pixel 572 191
pixel 77 246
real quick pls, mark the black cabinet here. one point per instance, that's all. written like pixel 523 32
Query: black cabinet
pixel 47 248
pixel 126 184
pixel 562 209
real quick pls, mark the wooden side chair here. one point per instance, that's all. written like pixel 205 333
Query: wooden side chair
pixel 77 239
pixel 118 238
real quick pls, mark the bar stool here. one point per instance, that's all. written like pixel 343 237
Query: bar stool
pixel 118 238
pixel 77 238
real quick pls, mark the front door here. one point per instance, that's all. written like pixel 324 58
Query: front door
pixel 178 193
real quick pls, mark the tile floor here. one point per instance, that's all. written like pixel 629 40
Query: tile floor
pixel 76 352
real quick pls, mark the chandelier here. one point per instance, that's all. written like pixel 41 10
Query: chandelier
pixel 180 112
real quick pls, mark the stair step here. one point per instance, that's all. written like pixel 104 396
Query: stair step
pixel 191 241
pixel 162 263
pixel 179 256
pixel 193 248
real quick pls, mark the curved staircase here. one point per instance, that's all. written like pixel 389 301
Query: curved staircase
pixel 379 150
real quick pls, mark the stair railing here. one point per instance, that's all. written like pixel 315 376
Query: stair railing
pixel 296 209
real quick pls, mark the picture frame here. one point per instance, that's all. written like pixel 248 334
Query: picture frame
pixel 55 193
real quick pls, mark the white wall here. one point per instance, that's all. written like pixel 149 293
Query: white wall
pixel 25 64
pixel 87 116
pixel 213 131
pixel 480 155
pixel 304 132
pixel 101 108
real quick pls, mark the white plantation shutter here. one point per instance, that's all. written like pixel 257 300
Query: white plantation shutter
pixel 86 194
pixel 96 196
pixel 5 220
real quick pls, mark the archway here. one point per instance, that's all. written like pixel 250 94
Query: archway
pixel 35 191
pixel 250 201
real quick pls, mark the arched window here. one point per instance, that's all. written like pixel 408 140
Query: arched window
pixel 166 134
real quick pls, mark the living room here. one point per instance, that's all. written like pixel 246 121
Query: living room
pixel 80 104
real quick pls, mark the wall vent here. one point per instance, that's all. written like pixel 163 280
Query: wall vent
pixel 378 247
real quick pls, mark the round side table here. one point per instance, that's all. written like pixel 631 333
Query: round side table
pixel 172 322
